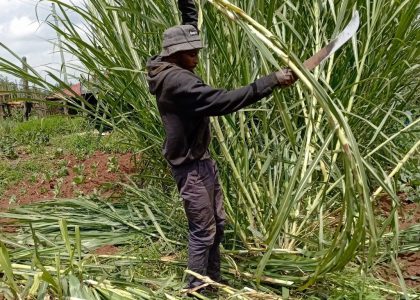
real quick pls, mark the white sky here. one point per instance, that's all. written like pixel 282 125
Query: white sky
pixel 21 31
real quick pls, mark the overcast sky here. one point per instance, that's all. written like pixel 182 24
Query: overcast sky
pixel 22 32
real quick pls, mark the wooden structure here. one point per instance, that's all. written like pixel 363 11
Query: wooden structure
pixel 71 98
pixel 5 98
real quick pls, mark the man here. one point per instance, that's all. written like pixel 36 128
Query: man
pixel 185 104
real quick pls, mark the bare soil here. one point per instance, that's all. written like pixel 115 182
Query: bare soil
pixel 410 268
pixel 107 250
pixel 99 173
pixel 409 263
pixel 408 212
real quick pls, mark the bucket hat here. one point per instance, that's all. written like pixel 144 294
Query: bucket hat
pixel 180 38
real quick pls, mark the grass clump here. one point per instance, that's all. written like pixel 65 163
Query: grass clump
pixel 13 173
pixel 35 134
pixel 39 130
pixel 85 143
pixel 58 135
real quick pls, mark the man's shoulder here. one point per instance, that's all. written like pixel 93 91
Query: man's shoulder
pixel 180 77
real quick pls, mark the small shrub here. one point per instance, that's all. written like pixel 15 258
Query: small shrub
pixel 8 147
pixel 80 176
pixel 112 164
pixel 62 172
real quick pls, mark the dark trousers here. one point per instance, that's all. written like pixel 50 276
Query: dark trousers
pixel 27 107
pixel 198 184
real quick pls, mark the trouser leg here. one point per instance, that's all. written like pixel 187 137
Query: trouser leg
pixel 213 268
pixel 27 110
pixel 197 185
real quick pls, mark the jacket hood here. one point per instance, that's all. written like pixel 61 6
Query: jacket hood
pixel 157 71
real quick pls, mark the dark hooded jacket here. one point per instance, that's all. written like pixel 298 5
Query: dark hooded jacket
pixel 185 104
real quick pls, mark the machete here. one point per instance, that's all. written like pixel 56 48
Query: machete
pixel 339 41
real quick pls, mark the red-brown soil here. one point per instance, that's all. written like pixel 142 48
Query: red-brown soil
pixel 408 212
pixel 107 250
pixel 409 263
pixel 410 268
pixel 101 174
pixel 98 173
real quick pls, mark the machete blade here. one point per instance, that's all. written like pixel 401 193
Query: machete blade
pixel 339 41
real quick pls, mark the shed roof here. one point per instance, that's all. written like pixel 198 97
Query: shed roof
pixel 76 88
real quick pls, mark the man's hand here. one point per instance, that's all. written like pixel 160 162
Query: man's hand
pixel 286 77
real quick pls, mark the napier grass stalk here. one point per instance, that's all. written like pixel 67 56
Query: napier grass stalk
pixel 348 144
pixel 397 168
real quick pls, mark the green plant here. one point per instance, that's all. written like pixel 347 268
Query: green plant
pixel 33 178
pixel 8 176
pixel 78 236
pixel 62 172
pixel 57 187
pixel 299 168
pixel 58 152
pixel 137 226
pixel 39 130
pixel 94 168
pixel 47 176
pixel 79 171
pixel 8 147
pixel 80 145
pixel 112 164
pixel 12 199
pixel 409 181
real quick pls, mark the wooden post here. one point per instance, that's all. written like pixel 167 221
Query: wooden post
pixel 4 98
pixel 42 105
pixel 6 105
pixel 27 106
pixel 2 103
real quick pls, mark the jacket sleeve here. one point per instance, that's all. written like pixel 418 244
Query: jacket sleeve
pixel 189 12
pixel 194 98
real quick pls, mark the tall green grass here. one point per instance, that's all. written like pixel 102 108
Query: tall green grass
pixel 299 169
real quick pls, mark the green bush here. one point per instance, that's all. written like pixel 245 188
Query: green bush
pixel 8 147
pixel 39 131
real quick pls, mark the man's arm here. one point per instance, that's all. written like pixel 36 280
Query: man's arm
pixel 190 96
pixel 189 12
